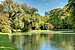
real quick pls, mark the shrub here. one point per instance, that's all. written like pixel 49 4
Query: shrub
pixel 6 30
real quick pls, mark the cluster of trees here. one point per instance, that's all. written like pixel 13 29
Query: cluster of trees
pixel 71 10
pixel 59 18
pixel 16 16
pixel 63 18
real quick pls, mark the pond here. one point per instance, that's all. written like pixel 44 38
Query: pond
pixel 44 42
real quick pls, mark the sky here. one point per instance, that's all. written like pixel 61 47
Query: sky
pixel 44 5
pixel 1 0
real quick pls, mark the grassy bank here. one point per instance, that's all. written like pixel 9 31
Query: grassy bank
pixel 34 32
pixel 42 32
pixel 5 43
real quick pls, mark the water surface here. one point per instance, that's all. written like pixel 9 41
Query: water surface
pixel 44 42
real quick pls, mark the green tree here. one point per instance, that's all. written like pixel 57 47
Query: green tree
pixel 70 9
pixel 5 23
pixel 56 17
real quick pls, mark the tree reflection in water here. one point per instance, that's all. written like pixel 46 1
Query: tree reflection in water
pixel 44 41
pixel 67 41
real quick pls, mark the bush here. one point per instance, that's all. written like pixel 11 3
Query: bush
pixel 6 30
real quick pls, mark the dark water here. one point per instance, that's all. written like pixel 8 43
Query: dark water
pixel 44 42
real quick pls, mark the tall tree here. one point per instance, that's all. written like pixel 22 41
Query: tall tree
pixel 70 8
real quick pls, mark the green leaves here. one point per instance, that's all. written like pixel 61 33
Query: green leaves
pixel 55 17
pixel 71 11
pixel 24 17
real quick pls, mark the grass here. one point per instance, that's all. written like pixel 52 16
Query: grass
pixel 51 32
pixel 34 32
pixel 5 43
pixel 4 33
pixel 44 32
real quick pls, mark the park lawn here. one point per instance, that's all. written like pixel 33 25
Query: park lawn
pixel 5 43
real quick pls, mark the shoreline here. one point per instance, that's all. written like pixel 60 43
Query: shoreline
pixel 39 32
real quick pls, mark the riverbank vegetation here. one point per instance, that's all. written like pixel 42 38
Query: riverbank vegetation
pixel 15 16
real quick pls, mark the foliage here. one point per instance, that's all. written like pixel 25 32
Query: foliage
pixel 21 16
pixel 70 9
pixel 15 16
pixel 56 17
pixel 4 23
pixel 62 18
